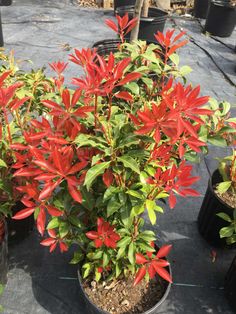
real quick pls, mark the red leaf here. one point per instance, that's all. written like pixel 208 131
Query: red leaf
pixel 107 177
pixel 24 213
pixel 76 194
pixel 48 242
pixel 163 273
pixel 164 251
pixel 172 200
pixel 139 276
pixel 41 219
pixel 52 247
pixel 98 243
pixel 151 271
pixel 53 211
pixel 130 77
pixel 112 25
pixel 124 95
pixel 140 259
pixel 92 235
pixel 63 247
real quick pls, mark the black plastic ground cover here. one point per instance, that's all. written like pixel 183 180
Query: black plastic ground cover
pixel 18 230
pixel 230 285
pixel 209 224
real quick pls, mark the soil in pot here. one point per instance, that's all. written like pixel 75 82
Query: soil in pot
pixel 229 197
pixel 19 229
pixel 3 252
pixel 209 224
pixel 122 297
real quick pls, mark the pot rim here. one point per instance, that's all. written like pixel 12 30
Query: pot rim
pixel 159 303
pixel 210 183
pixel 130 9
pixel 223 3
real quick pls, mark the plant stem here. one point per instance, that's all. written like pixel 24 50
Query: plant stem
pixel 137 13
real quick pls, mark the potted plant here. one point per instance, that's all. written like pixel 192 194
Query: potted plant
pixel 228 232
pixel 220 193
pixel 221 18
pixel 149 20
pixel 201 8
pixel 104 154
pixel 21 94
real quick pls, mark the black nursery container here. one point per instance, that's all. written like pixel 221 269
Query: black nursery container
pixel 19 229
pixel 121 3
pixel 148 25
pixel 209 224
pixel 104 47
pixel 230 285
pixel 3 252
pixel 201 8
pixel 93 309
pixel 221 19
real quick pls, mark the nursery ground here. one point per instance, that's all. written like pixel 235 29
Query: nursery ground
pixel 39 282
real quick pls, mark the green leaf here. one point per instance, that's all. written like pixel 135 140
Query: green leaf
pixel 129 162
pixel 78 257
pixel 159 209
pixel 54 223
pixel 97 276
pixel 3 164
pixel 224 217
pixel 105 259
pixel 63 229
pixel 94 172
pixel 113 206
pixel 223 186
pixel 133 87
pixel 185 70
pixel 86 269
pixel 88 199
pixel 110 192
pixel 151 211
pixel 118 269
pixel 148 236
pixel 131 253
pixel 135 194
pixel 217 141
pixel 174 58
pixel 124 242
pixel 226 232
pixel 121 252
pixel 137 210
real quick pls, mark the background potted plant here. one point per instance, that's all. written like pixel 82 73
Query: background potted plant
pixel 221 18
pixel 21 93
pixel 221 188
pixel 103 156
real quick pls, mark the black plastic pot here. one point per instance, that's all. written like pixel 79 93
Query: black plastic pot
pixel 148 25
pixel 93 309
pixel 3 252
pixel 104 47
pixel 18 230
pixel 209 224
pixel 201 8
pixel 5 2
pixel 230 284
pixel 221 19
pixel 121 3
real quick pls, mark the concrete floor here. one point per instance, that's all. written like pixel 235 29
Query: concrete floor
pixel 40 282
